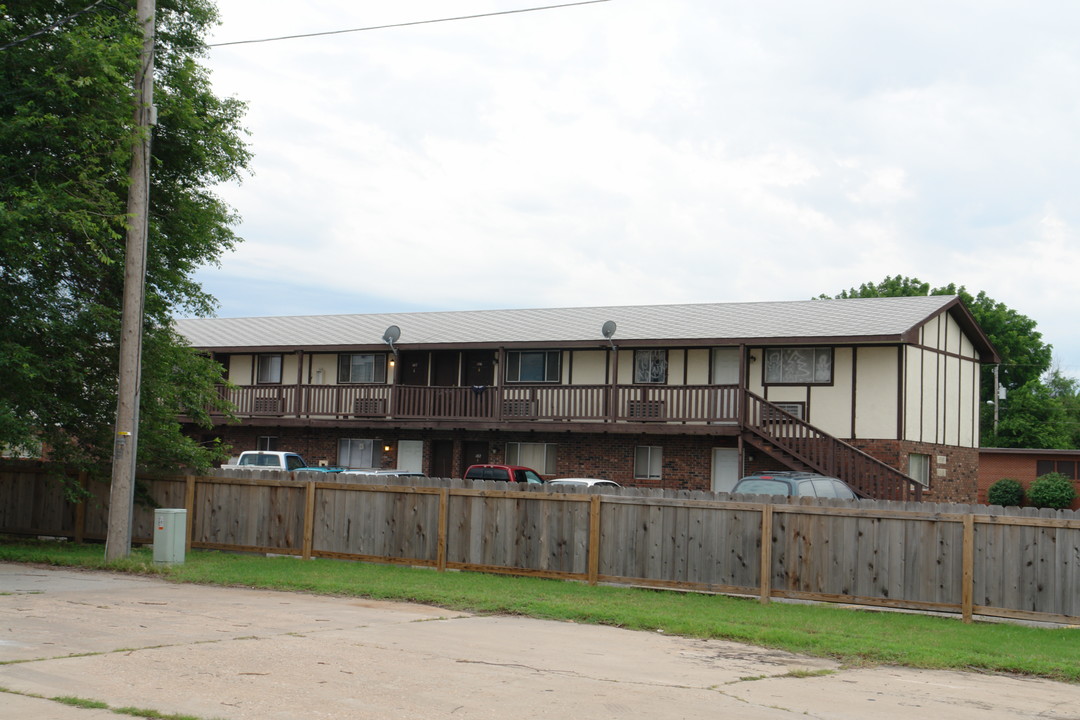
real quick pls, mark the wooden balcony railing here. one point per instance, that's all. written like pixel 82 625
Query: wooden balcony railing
pixel 694 404
pixel 589 403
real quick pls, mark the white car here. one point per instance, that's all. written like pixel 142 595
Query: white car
pixel 584 482
pixel 384 473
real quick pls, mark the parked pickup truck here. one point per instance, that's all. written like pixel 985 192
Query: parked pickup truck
pixel 274 460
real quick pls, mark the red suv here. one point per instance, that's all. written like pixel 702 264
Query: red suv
pixel 509 473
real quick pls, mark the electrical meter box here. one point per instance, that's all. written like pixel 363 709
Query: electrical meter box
pixel 170 535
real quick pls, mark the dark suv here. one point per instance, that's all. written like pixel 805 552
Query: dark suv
pixel 509 473
pixel 798 484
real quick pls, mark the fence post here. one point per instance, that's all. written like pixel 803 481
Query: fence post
pixel 765 572
pixel 189 506
pixel 444 521
pixel 967 590
pixel 80 508
pixel 594 539
pixel 309 519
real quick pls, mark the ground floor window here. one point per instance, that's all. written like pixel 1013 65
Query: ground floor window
pixel 354 453
pixel 266 443
pixel 538 456
pixel 648 460
pixel 919 468
pixel 1065 467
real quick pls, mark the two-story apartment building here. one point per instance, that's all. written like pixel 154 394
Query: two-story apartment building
pixel 883 392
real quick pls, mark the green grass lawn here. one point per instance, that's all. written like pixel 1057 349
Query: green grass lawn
pixel 854 637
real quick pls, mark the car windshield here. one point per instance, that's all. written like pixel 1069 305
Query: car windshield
pixel 528 476
pixel 830 488
pixel 763 486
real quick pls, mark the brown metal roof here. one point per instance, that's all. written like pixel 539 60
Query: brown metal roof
pixel 859 320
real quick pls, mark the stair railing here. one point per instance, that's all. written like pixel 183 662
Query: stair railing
pixel 826 454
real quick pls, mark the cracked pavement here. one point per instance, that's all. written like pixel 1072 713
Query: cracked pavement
pixel 239 654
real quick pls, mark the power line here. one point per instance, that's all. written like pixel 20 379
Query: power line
pixel 53 26
pixel 407 24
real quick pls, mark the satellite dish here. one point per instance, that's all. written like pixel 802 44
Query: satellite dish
pixel 609 330
pixel 391 335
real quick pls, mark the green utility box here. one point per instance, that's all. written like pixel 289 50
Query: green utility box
pixel 170 536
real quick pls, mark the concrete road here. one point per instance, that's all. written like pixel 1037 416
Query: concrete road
pixel 241 654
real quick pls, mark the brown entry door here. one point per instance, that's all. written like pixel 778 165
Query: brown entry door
pixel 413 369
pixel 442 459
pixel 473 452
pixel 479 368
pixel 444 368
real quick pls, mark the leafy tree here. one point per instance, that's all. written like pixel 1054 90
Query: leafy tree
pixel 1024 360
pixel 66 133
pixel 1066 391
pixel 1030 418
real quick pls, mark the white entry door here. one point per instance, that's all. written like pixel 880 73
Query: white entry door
pixel 725 469
pixel 410 455
pixel 725 366
pixel 725 371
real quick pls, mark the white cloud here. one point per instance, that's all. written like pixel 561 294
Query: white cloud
pixel 641 152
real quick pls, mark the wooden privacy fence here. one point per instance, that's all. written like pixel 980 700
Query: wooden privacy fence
pixel 972 560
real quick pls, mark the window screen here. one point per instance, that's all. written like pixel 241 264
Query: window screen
pixel 269 369
pixel 533 366
pixel 538 456
pixel 798 366
pixel 353 453
pixel 648 460
pixel 362 368
pixel 919 468
pixel 650 366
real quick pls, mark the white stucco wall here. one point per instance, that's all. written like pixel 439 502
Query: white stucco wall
pixel 941 386
pixel 588 367
pixel 326 363
pixel 876 393
pixel 240 372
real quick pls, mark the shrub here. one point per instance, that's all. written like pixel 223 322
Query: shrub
pixel 1006 492
pixel 1052 490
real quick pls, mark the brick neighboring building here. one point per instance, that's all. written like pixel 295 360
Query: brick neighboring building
pixel 1025 465
pixel 881 392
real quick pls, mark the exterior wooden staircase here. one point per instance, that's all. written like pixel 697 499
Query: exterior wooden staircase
pixel 800 446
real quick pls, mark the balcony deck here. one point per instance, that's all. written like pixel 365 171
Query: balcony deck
pixel 698 404
pixel 665 409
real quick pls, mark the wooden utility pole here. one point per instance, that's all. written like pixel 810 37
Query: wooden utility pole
pixel 122 490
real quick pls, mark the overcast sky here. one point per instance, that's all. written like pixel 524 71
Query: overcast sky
pixel 653 151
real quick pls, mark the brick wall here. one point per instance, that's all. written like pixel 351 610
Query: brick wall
pixel 687 460
pixel 1021 465
pixel 954 471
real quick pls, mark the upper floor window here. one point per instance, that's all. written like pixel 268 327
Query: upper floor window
pixel 269 369
pixel 798 366
pixel 362 368
pixel 533 366
pixel 650 366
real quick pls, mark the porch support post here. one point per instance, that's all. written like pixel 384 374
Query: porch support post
pixel 301 397
pixel 613 386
